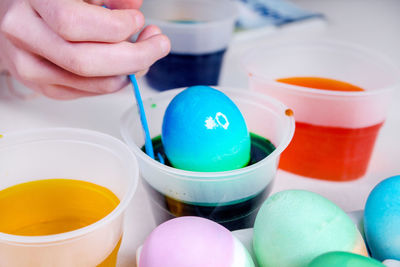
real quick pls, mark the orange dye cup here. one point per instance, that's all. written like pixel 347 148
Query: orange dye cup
pixel 336 128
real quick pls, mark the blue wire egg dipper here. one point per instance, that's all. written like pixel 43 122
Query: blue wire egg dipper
pixel 147 139
pixel 148 144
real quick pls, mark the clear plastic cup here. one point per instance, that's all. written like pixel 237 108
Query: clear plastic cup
pixel 200 32
pixel 231 198
pixel 335 130
pixel 71 154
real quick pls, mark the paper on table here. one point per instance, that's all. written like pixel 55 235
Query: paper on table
pixel 262 17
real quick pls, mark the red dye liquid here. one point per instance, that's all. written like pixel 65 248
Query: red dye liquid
pixel 330 153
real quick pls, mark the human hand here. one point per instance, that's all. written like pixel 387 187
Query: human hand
pixel 67 49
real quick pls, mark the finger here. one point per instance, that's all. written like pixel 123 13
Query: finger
pixel 79 21
pixel 84 58
pixel 123 4
pixel 60 92
pixel 141 73
pixel 117 4
pixel 34 70
pixel 95 2
pixel 148 32
pixel 122 58
pixel 48 73
pixel 57 92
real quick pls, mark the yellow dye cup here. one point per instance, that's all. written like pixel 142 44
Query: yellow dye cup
pixel 65 154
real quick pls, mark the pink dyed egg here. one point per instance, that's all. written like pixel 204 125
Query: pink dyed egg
pixel 195 242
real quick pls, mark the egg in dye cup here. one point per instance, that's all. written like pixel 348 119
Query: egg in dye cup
pixel 231 198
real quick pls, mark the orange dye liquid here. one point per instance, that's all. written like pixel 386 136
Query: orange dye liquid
pixel 330 153
pixel 54 206
pixel 321 83
pixel 111 260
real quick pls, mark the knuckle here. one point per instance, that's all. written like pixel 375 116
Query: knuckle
pixel 115 83
pixel 7 23
pixel 110 85
pixel 105 87
pixel 118 26
pixel 78 64
pixel 157 48
pixel 48 91
pixel 145 60
pixel 149 60
pixel 23 70
pixel 4 28
pixel 64 24
pixel 119 29
pixel 55 93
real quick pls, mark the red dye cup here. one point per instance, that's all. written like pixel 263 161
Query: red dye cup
pixel 335 130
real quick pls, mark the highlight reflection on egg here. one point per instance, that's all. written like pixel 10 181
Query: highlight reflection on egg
pixel 203 130
pixel 195 242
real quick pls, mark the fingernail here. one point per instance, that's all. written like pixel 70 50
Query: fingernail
pixel 165 45
pixel 139 19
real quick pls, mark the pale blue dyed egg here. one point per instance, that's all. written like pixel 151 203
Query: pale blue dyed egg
pixel 382 219
pixel 203 130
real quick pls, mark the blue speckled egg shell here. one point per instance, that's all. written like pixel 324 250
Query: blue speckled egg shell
pixel 203 130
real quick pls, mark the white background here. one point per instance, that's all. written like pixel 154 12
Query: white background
pixel 372 23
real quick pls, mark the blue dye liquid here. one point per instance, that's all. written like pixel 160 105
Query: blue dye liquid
pixel 238 215
pixel 182 70
pixel 184 21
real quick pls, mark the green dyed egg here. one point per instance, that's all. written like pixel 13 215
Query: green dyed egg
pixel 295 226
pixel 344 259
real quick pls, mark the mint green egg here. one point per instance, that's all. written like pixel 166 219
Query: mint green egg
pixel 344 259
pixel 295 226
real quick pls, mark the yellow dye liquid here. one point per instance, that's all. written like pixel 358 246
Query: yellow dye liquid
pixel 54 206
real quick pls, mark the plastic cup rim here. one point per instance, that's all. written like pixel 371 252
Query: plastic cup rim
pixel 205 24
pixel 330 44
pixel 211 176
pixel 76 234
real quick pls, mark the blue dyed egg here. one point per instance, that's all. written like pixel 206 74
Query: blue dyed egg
pixel 203 130
pixel 382 219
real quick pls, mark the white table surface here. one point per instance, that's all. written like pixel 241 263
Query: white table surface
pixel 372 23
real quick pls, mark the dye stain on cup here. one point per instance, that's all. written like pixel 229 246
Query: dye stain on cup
pixel 63 195
pixel 340 95
pixel 231 197
pixel 200 32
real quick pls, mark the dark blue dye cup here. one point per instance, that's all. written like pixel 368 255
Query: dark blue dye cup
pixel 200 32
